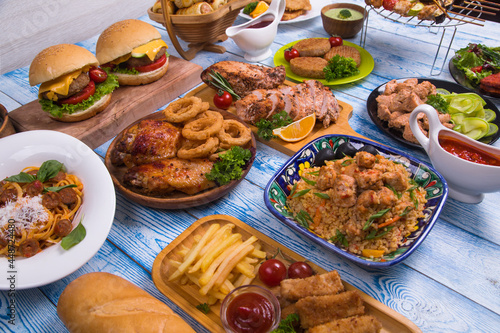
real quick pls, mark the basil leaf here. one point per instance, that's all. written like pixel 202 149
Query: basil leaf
pixel 74 237
pixel 22 177
pixel 49 169
pixel 57 188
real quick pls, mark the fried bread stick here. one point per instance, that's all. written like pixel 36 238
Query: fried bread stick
pixel 316 285
pixel 317 310
pixel 361 324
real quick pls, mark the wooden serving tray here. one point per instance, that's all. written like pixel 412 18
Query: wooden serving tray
pixel 128 103
pixel 290 148
pixel 187 296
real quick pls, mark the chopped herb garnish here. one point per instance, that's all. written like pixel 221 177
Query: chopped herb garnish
pixel 438 102
pixel 300 193
pixel 204 307
pixel 308 181
pixel 375 216
pixel 286 325
pixel 265 127
pixel 347 162
pixel 322 195
pixel 377 233
pixel 303 218
pixel 339 238
pixel 396 193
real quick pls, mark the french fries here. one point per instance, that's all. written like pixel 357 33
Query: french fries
pixel 218 261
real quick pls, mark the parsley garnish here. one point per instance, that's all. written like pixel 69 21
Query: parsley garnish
pixel 265 127
pixel 230 165
pixel 339 238
pixel 339 67
pixel 205 308
pixel 438 102
pixel 250 7
pixel 286 325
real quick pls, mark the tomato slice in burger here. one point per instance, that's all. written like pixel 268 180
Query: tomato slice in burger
pixel 151 67
pixel 85 93
pixel 98 75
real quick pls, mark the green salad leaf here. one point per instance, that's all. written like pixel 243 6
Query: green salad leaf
pixel 339 67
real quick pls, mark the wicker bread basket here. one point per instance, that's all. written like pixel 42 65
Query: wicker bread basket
pixel 202 31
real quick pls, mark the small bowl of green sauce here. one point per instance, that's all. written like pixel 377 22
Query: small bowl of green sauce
pixel 343 19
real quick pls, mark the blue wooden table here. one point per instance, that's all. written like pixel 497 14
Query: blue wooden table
pixel 450 284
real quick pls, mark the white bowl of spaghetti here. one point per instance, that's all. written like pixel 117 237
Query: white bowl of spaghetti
pixel 92 204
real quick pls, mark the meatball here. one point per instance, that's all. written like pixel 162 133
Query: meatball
pixel 63 228
pixel 29 247
pixel 51 200
pixel 68 196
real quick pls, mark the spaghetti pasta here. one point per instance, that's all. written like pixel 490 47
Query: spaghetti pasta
pixel 37 208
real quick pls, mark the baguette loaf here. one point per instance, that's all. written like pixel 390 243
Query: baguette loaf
pixel 103 302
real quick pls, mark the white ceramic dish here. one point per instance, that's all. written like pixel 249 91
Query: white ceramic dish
pixel 467 181
pixel 98 209
pixel 315 11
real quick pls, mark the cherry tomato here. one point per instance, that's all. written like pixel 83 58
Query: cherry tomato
pixel 223 99
pixel 291 53
pixel 272 272
pixel 335 41
pixel 85 93
pixel 98 75
pixel 477 69
pixel 389 4
pixel 299 270
pixel 151 67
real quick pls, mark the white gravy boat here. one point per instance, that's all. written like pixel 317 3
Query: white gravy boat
pixel 467 181
pixel 253 37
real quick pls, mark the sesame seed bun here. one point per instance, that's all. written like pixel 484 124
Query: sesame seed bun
pixel 59 60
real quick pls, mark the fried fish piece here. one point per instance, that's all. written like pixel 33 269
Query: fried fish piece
pixel 313 47
pixel 344 51
pixel 322 284
pixel 317 310
pixel 309 67
pixel 356 324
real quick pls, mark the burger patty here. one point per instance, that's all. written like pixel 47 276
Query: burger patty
pixel 142 61
pixel 77 85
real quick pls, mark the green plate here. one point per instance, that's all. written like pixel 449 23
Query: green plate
pixel 365 68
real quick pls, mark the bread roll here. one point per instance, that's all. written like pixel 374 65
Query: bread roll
pixel 103 302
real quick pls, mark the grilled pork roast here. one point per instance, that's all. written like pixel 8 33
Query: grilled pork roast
pixel 298 101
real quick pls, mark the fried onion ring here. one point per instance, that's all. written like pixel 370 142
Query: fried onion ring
pixel 233 133
pixel 204 127
pixel 198 148
pixel 184 109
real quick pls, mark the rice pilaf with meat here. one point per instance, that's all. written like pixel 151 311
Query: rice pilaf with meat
pixel 365 204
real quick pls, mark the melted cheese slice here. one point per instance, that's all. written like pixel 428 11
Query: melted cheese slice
pixel 60 85
pixel 150 49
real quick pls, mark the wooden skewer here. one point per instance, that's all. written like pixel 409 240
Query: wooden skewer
pixel 491 3
pixel 482 6
pixel 471 22
pixel 472 17
pixel 474 10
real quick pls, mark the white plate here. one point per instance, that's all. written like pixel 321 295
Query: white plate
pixel 316 6
pixel 32 148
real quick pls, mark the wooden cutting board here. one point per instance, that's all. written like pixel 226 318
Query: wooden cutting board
pixel 341 126
pixel 128 103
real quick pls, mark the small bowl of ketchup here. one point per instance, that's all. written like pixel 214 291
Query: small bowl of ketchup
pixel 250 309
pixel 470 168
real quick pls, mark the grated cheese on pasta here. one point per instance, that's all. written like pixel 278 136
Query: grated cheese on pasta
pixel 26 211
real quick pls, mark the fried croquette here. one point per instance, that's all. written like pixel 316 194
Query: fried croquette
pixel 313 47
pixel 309 67
pixel 357 324
pixel 344 51
pixel 315 285
pixel 317 310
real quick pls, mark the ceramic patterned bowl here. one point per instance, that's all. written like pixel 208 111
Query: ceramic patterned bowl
pixel 279 187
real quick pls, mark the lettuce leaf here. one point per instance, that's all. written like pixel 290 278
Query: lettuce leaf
pixel 102 89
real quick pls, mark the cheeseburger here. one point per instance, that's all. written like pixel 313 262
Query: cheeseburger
pixel 134 51
pixel 72 87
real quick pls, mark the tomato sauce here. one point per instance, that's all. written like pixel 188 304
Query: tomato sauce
pixel 260 24
pixel 250 313
pixel 467 152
